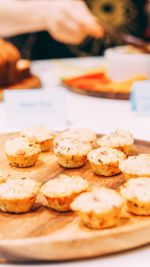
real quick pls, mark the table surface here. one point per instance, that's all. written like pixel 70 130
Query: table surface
pixel 102 116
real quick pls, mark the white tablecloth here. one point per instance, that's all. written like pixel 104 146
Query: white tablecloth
pixel 102 116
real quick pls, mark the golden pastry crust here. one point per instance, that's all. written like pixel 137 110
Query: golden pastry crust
pixel 136 166
pixel 105 161
pixel 71 153
pixel 41 136
pixel 82 135
pixel 21 153
pixel 4 176
pixel 137 193
pixel 100 208
pixel 61 191
pixel 2 179
pixel 120 140
pixel 18 195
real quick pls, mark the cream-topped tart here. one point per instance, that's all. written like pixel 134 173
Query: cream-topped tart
pixel 105 161
pixel 21 153
pixel 100 208
pixel 39 135
pixel 136 166
pixel 137 193
pixel 82 135
pixel 71 153
pixel 18 195
pixel 61 191
pixel 120 139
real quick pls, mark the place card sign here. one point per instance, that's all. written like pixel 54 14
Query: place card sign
pixel 140 98
pixel 26 108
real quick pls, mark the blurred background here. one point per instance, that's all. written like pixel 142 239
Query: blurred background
pixel 77 64
pixel 127 16
pixel 86 57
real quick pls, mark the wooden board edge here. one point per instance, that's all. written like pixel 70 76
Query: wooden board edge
pixel 31 82
pixel 54 249
pixel 124 237
pixel 108 95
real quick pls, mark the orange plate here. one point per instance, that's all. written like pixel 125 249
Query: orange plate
pixel 99 85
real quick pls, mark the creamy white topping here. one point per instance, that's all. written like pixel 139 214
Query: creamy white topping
pixel 23 63
pixel 105 155
pixel 18 188
pixel 38 134
pixel 138 188
pixel 20 146
pixel 71 147
pixel 118 138
pixel 83 135
pixel 129 49
pixel 99 200
pixel 139 165
pixel 64 185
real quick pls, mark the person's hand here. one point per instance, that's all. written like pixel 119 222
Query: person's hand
pixel 70 21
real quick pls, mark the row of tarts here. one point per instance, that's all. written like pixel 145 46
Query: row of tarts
pixel 108 155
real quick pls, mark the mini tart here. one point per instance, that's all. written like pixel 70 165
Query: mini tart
pixel 71 153
pixel 100 208
pixel 137 193
pixel 105 161
pixel 61 191
pixel 136 166
pixel 82 135
pixel 119 139
pixel 21 153
pixel 41 136
pixel 18 195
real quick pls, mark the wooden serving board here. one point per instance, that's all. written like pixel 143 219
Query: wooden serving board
pixel 101 94
pixel 43 234
pixel 31 82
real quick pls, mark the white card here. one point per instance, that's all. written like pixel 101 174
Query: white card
pixel 140 97
pixel 26 108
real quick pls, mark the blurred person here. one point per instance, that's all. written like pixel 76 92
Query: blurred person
pixel 67 28
pixel 66 21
